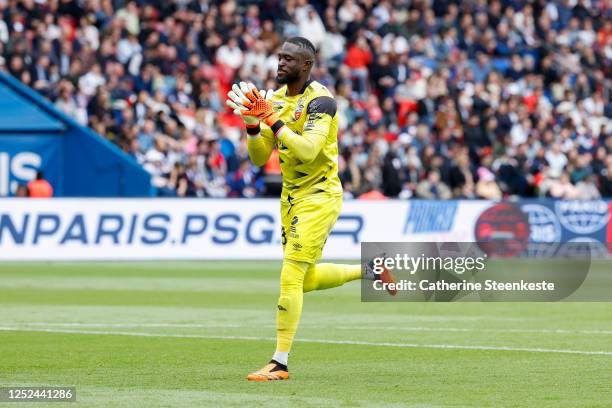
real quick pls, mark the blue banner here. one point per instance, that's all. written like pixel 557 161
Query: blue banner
pixel 567 221
pixel 22 155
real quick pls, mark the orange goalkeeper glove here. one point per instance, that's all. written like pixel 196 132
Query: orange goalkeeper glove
pixel 261 108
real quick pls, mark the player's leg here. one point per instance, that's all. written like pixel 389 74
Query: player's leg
pixel 289 310
pixel 305 227
pixel 297 260
pixel 329 275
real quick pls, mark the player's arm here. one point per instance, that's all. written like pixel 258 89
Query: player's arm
pixel 260 142
pixel 307 146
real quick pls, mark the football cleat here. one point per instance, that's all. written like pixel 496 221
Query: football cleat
pixel 385 276
pixel 272 371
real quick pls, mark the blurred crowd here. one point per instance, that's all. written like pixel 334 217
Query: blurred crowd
pixel 436 98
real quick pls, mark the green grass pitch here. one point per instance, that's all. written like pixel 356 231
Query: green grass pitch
pixel 185 334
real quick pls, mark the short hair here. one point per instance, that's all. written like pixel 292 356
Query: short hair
pixel 304 44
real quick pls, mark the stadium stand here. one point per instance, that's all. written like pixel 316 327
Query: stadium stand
pixel 445 99
pixel 35 135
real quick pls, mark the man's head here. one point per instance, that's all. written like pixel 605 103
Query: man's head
pixel 295 60
pixel 433 177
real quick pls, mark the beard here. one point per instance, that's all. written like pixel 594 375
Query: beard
pixel 288 77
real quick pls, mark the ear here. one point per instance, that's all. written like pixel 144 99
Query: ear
pixel 307 65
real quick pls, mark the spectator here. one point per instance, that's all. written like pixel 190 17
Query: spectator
pixel 373 194
pixel 587 189
pixel 524 86
pixel 461 177
pixel 230 54
pixel 391 171
pixel 358 57
pixel 179 182
pixel 245 182
pixel 432 188
pixel 564 189
pixel 39 187
pixel 129 15
pixel 312 27
pixel 605 181
pixel 89 83
pixel 486 187
pixel 22 191
pixel 557 160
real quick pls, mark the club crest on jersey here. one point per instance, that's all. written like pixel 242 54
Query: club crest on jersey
pixel 299 109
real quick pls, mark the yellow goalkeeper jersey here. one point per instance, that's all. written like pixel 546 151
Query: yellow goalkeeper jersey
pixel 307 147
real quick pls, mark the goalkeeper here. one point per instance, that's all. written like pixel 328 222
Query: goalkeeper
pixel 300 120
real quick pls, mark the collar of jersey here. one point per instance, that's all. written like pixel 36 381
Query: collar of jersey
pixel 306 85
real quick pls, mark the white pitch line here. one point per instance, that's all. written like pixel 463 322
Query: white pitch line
pixel 482 330
pixel 320 341
pixel 377 328
pixel 185 325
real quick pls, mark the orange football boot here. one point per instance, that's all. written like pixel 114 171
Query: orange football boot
pixel 385 276
pixel 273 371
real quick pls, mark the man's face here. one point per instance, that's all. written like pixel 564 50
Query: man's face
pixel 292 62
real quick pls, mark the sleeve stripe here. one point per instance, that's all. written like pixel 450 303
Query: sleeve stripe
pixel 322 104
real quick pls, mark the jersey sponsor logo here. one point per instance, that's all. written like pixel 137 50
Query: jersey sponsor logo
pixel 299 109
pixel 293 228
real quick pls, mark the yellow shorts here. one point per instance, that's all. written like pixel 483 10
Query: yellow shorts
pixel 306 224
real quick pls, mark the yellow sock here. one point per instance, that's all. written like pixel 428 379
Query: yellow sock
pixel 328 275
pixel 289 303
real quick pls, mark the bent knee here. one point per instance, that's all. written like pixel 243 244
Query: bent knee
pixel 292 273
